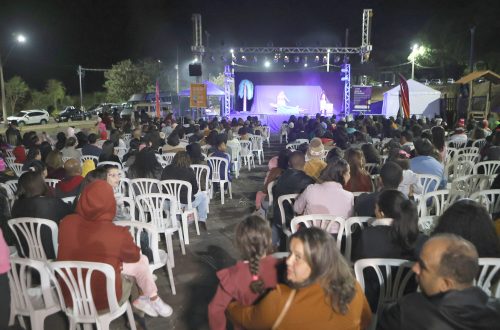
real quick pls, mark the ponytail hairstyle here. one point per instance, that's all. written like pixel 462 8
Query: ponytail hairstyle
pixel 404 229
pixel 253 239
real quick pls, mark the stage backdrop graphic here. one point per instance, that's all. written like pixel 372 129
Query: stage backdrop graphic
pixel 302 89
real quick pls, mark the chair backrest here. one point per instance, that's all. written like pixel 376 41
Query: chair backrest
pixel 218 166
pixel 154 205
pixel 352 225
pixel 120 152
pixel 136 228
pixel 69 199
pixel 11 186
pixel 205 148
pixel 246 148
pixel 290 199
pixel 145 186
pixel 10 153
pixel 370 167
pixel 328 222
pixel 29 229
pixel 176 188
pixel 110 163
pixel 302 141
pixel 17 168
pixel 479 143
pixel 466 185
pixel 393 276
pixel 52 182
pixel 450 154
pixel 489 269
pixel 489 198
pixel 457 144
pixel 125 187
pixel 429 182
pixel 435 202
pixel 488 167
pixel 270 192
pixel 462 167
pixel 87 157
pixel 76 277
pixel 65 158
pixel 257 142
pixel 293 145
pixel 21 286
pixel 201 170
pixel 168 157
pixel 427 223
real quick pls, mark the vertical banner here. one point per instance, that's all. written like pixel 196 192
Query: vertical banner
pixel 361 98
pixel 157 99
pixel 198 96
pixel 405 96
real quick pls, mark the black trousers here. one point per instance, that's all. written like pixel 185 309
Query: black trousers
pixel 4 301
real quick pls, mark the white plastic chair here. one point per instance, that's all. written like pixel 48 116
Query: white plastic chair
pixel 393 277
pixel 175 188
pixel 370 167
pixel 353 224
pixel 435 202
pixel 488 271
pixel 68 200
pixel 489 198
pixel 160 257
pixel 217 164
pixel 30 230
pixel 487 167
pixel 154 206
pixel 120 152
pixel 466 185
pixel 116 164
pixel 284 133
pixel 429 182
pixel 426 224
pixel 293 145
pixel 87 157
pixel 11 188
pixel 52 182
pixel 270 192
pixel 267 134
pixel 331 223
pixel 144 186
pixel 290 199
pixel 125 187
pixel 479 143
pixel 235 157
pixel 38 301
pixel 246 153
pixel 65 159
pixel 258 147
pixel 17 168
pixel 201 170
pixel 301 141
pixel 168 157
pixel 467 156
pixel 205 148
pixel 76 276
pixel 456 144
pixel 461 168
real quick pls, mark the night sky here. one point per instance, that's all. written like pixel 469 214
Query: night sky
pixel 96 34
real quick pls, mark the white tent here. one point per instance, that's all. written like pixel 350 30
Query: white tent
pixel 424 101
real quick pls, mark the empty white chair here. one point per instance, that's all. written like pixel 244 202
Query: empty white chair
pixel 466 185
pixel 36 301
pixel 218 166
pixel 29 230
pixel 488 273
pixel 289 199
pixel 393 277
pixel 235 156
pixel 52 182
pixel 489 198
pixel 116 164
pixel 145 186
pixel 328 222
pixel 76 277
pixel 435 202
pixel 247 153
pixel 293 145
pixel 153 207
pixel 353 224
pixel 429 182
pixel 175 188
pixel 258 147
pixel 202 178
pixel 160 257
pixel 267 134
pixel 479 143
pixel 284 133
pixel 487 167
pixel 456 144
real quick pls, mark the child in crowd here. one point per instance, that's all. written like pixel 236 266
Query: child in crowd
pixel 246 281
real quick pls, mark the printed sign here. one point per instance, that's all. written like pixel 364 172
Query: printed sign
pixel 198 96
pixel 361 98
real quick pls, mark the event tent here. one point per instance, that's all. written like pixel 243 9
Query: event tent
pixel 424 101
pixel 212 90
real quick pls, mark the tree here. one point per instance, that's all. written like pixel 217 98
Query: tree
pixel 15 91
pixel 124 79
pixel 55 91
pixel 155 70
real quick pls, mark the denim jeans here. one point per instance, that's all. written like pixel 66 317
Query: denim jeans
pixel 200 202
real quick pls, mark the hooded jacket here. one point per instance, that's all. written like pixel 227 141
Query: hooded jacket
pixel 465 309
pixel 90 235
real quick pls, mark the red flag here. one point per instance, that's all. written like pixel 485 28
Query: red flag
pixel 405 96
pixel 157 97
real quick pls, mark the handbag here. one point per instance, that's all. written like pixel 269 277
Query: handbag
pixel 284 310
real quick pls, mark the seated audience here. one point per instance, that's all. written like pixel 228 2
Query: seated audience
pixel 425 163
pixel 70 184
pixel 55 165
pixel 70 149
pixel 314 163
pixel 91 149
pixel 360 178
pixel 108 153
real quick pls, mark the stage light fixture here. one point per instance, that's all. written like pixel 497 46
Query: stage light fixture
pixel 305 65
pixel 286 59
pixel 296 59
pixel 267 64
pixel 325 59
pixel 231 51
pixel 305 59
pixel 244 58
pixel 316 59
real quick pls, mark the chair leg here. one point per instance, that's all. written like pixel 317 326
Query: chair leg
pixel 170 248
pixel 230 189
pixel 195 214
pixel 171 278
pixel 181 241
pixel 222 191
pixel 130 316
pixel 185 228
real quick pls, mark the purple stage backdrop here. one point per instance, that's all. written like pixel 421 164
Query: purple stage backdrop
pixel 302 90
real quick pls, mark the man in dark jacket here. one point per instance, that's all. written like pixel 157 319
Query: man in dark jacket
pixel 446 271
pixel 391 175
pixel 293 181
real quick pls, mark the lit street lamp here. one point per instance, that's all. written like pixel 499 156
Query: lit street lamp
pixel 20 39
pixel 416 52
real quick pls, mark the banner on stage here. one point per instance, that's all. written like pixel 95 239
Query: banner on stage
pixel 361 98
pixel 198 96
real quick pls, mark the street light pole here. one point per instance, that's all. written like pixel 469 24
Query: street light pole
pixel 2 83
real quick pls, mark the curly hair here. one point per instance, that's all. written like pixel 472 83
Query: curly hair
pixel 253 239
pixel 328 267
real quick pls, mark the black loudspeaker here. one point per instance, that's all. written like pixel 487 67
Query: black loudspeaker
pixel 195 70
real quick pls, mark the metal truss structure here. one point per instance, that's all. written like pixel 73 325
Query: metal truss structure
pixel 346 78
pixel 228 81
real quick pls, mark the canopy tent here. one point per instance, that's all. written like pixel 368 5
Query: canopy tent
pixel 212 90
pixel 424 101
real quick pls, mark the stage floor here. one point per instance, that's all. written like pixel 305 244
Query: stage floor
pixel 273 120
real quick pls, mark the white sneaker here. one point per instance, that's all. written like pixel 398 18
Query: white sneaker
pixel 144 305
pixel 161 308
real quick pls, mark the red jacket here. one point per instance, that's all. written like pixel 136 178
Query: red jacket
pixel 90 235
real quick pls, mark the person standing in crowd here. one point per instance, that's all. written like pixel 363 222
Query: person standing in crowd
pixel 249 279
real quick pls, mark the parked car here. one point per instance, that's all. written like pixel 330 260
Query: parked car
pixel 450 81
pixel 436 82
pixel 424 81
pixel 29 117
pixel 72 113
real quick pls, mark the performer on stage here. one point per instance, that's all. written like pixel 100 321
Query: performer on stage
pixel 281 99
pixel 281 105
pixel 325 105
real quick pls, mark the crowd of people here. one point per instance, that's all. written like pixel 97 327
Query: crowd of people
pixel 315 286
